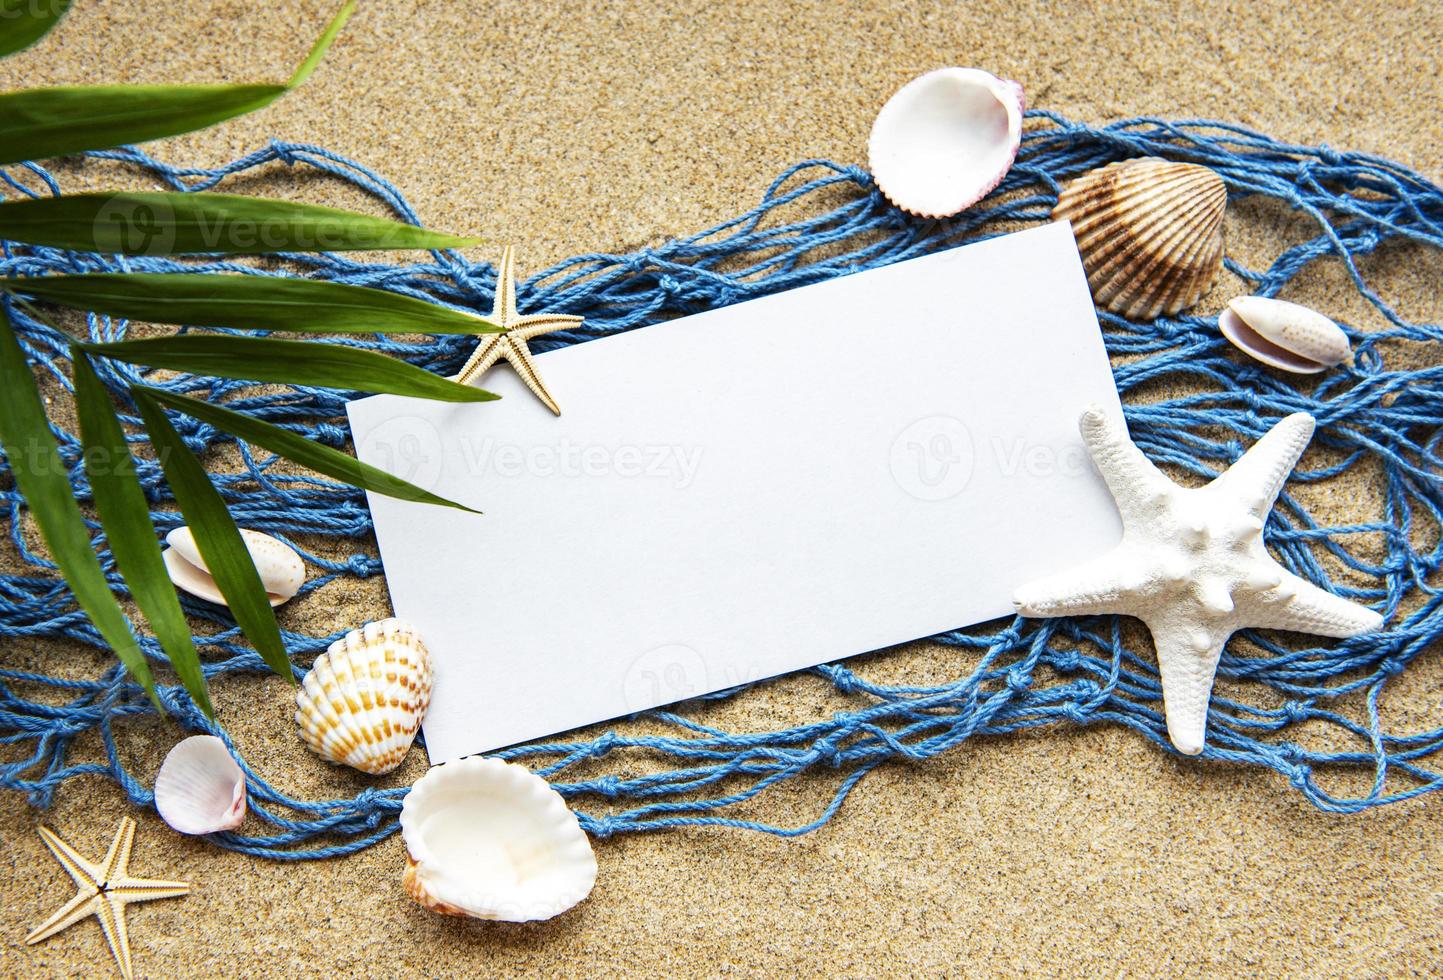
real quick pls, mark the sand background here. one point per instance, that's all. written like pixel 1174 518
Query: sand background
pixel 568 128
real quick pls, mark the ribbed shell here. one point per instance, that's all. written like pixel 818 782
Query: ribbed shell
pixel 1150 233
pixel 362 703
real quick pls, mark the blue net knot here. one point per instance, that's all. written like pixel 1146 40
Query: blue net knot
pixel 1296 711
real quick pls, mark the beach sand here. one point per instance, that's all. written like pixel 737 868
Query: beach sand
pixel 568 128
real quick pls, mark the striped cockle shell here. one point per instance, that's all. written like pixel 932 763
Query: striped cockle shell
pixel 363 700
pixel 1150 233
pixel 491 840
pixel 945 140
pixel 281 570
pixel 1284 335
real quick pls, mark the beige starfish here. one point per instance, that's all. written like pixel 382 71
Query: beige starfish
pixel 516 330
pixel 105 890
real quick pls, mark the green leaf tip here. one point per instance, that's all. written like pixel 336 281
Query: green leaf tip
pixel 322 45
pixel 24 22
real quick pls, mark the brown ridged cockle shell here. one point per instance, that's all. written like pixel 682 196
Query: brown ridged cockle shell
pixel 1150 232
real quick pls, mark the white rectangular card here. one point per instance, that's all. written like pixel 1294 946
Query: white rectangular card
pixel 748 491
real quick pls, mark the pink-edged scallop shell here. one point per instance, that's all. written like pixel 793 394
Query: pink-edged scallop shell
pixel 200 788
pixel 945 140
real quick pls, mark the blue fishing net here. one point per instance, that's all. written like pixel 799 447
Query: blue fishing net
pixel 819 220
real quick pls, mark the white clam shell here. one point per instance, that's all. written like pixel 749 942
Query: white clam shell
pixel 363 700
pixel 490 840
pixel 1284 335
pixel 281 570
pixel 200 788
pixel 946 139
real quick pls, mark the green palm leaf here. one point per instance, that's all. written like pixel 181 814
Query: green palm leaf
pixel 216 535
pixel 297 362
pixel 125 515
pixel 41 478
pixel 23 22
pixel 249 303
pixel 297 448
pixel 48 122
pixel 229 224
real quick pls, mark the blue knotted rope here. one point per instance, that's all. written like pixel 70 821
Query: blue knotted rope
pixel 819 220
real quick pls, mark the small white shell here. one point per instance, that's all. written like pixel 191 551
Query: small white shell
pixel 200 789
pixel 1284 335
pixel 281 570
pixel 363 700
pixel 946 139
pixel 490 840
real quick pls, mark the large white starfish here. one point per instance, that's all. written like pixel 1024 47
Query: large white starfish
pixel 104 890
pixel 1192 565
pixel 510 344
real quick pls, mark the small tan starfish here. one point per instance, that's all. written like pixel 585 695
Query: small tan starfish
pixel 105 889
pixel 516 330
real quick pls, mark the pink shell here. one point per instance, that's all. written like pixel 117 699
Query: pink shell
pixel 945 140
pixel 200 789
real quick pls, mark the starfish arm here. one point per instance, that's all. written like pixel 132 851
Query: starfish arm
pixel 540 324
pixel 110 910
pixel 1301 606
pixel 1187 660
pixel 1255 480
pixel 520 359
pixel 1135 482
pixel 1093 588
pixel 83 872
pixel 504 308
pixel 486 354
pixel 118 857
pixel 147 889
pixel 79 907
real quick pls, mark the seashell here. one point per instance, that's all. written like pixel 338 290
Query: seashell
pixel 1284 335
pixel 490 840
pixel 200 789
pixel 364 698
pixel 1150 232
pixel 946 139
pixel 282 571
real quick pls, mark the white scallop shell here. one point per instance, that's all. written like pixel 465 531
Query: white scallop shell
pixel 281 570
pixel 200 789
pixel 1284 335
pixel 946 139
pixel 491 840
pixel 363 700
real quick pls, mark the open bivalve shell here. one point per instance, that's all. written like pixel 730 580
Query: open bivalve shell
pixel 281 570
pixel 363 700
pixel 1284 335
pixel 1150 232
pixel 945 140
pixel 200 788
pixel 490 840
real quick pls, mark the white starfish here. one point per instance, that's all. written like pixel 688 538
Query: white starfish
pixel 510 344
pixel 104 890
pixel 1192 565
